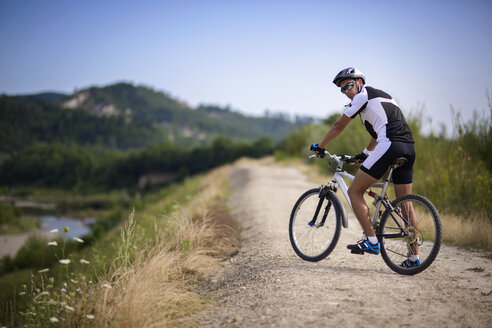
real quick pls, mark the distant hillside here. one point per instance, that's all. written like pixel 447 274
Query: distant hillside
pixel 147 106
pixel 30 121
pixel 124 116
pixel 47 95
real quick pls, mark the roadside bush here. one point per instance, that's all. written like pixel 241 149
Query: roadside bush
pixel 9 213
pixel 75 167
pixel 456 173
pixel 36 254
pixel 6 264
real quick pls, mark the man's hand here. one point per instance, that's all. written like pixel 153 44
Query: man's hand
pixel 317 149
pixel 359 158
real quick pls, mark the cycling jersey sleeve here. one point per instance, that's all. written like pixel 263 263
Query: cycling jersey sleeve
pixel 358 104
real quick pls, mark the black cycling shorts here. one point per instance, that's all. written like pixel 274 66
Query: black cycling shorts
pixel 384 155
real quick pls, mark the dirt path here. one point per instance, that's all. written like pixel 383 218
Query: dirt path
pixel 267 285
pixel 10 245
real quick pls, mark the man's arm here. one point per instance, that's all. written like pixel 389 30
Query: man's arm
pixel 372 144
pixel 335 130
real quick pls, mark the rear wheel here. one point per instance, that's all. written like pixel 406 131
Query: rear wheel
pixel 412 228
pixel 314 238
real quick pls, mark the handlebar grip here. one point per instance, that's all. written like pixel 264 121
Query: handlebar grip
pixel 348 159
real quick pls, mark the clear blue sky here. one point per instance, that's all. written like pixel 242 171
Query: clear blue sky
pixel 255 55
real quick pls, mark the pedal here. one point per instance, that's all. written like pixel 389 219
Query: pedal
pixel 354 251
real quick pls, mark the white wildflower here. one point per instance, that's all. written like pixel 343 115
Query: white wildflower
pixel 78 240
pixel 52 243
pixel 69 308
pixel 42 294
pixel 54 230
pixel 63 290
pixel 22 293
pixel 90 316
pixel 64 261
pixel 74 281
pixel 53 319
pixel 106 286
pixel 43 270
pixel 82 261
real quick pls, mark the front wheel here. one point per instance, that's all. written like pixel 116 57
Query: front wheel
pixel 312 236
pixel 411 230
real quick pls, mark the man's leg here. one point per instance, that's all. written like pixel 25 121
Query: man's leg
pixel 407 208
pixel 356 191
pixel 403 189
pixel 408 212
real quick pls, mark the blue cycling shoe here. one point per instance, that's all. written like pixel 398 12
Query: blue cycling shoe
pixel 410 264
pixel 365 246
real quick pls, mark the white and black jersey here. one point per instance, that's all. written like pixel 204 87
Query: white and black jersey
pixel 380 115
pixel 385 122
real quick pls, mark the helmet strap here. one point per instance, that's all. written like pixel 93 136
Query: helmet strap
pixel 357 84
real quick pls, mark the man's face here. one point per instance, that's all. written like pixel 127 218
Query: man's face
pixel 349 88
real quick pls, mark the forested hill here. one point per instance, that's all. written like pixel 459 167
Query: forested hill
pixel 125 116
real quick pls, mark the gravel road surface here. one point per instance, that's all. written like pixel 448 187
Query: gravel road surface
pixel 267 285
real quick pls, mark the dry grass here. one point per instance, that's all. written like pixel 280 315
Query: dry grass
pixel 470 232
pixel 155 290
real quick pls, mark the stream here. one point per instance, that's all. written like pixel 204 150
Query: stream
pixel 10 244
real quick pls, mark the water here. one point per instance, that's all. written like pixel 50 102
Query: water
pixel 10 245
pixel 77 227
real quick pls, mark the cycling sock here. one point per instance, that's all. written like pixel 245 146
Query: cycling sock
pixel 414 258
pixel 372 240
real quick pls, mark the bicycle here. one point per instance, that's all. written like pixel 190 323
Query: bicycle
pixel 409 225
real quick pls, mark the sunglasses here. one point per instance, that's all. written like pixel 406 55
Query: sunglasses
pixel 347 86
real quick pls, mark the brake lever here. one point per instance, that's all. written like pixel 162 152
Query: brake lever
pixel 317 155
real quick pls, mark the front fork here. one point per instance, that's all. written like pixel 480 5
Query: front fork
pixel 322 195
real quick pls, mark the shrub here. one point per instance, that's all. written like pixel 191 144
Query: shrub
pixel 9 213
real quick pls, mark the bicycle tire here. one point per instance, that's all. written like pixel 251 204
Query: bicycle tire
pixel 314 243
pixel 424 238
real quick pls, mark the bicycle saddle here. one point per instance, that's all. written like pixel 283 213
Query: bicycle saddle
pixel 399 162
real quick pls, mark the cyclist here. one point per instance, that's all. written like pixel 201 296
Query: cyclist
pixel 391 138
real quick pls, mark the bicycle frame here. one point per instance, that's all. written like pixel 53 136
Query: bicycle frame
pixel 338 182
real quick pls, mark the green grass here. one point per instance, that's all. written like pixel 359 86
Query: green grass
pixel 20 225
pixel 149 209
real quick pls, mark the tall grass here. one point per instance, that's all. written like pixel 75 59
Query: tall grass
pixel 145 267
pixel 475 231
pixel 456 173
pixel 152 290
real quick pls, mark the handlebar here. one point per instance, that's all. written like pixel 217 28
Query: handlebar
pixel 340 159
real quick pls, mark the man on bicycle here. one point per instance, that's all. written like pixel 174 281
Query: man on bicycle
pixel 391 138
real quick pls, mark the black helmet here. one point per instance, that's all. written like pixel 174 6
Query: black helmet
pixel 349 73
